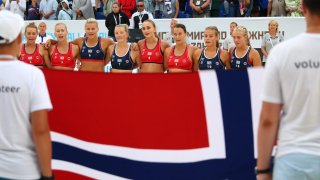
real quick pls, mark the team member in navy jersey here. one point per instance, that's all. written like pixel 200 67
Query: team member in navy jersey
pixel 211 57
pixel 122 56
pixel 151 49
pixel 243 56
pixel 179 58
pixel 93 49
pixel 31 52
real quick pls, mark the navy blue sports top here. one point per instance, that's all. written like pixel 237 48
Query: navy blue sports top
pixel 206 63
pixel 94 53
pixel 122 62
pixel 240 63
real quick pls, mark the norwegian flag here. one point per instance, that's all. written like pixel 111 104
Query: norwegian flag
pixel 154 126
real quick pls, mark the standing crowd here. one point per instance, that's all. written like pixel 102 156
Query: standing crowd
pixel 158 9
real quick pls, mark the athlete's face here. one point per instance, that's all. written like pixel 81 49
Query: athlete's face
pixel 239 39
pixel 148 29
pixel 91 30
pixel 210 38
pixel 179 36
pixel 120 34
pixel 31 34
pixel 61 32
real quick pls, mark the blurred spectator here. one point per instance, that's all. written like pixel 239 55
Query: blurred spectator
pixel 82 9
pixel 185 11
pixel 2 4
pixel 95 5
pixel 168 37
pixel 276 8
pixel 33 11
pixel 255 12
pixel 16 6
pixel 65 13
pixel 293 8
pixel 42 36
pixel 139 16
pixel 215 8
pixel 115 18
pixel 127 6
pixel 48 9
pixel 171 9
pixel 158 9
pixel 201 8
pixel 263 4
pixel 226 8
pixel 149 6
pixel 107 7
pixel 270 39
pixel 228 42
pixel 246 8
pixel 233 8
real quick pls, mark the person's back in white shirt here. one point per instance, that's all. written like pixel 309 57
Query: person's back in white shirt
pixel 293 79
pixel 23 90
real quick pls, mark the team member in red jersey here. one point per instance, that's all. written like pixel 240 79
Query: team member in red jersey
pixel 31 52
pixel 178 58
pixel 211 57
pixel 123 57
pixel 63 54
pixel 93 49
pixel 151 49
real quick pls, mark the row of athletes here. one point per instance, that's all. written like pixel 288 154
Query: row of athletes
pixel 150 55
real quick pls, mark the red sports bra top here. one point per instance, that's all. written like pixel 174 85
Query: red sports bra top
pixel 151 55
pixel 180 62
pixel 64 60
pixel 34 58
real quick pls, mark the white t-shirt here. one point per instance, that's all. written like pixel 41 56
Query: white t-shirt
pixel 268 42
pixel 292 78
pixel 43 39
pixel 228 43
pixel 22 90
